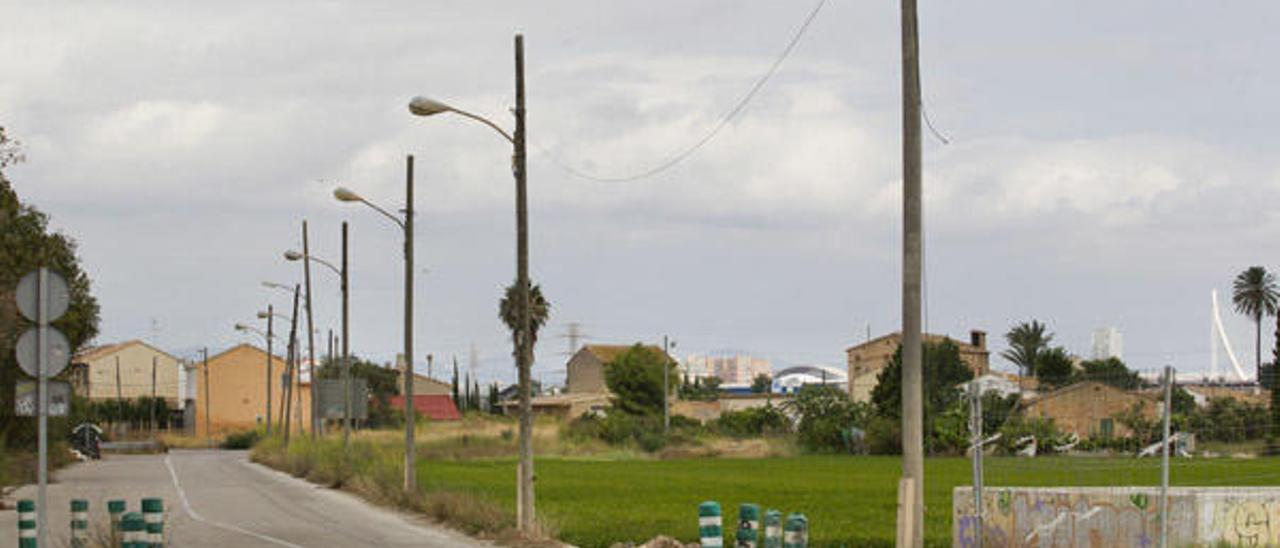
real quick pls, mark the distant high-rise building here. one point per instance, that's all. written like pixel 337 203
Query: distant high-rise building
pixel 732 369
pixel 1107 343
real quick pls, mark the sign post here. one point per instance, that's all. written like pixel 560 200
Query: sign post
pixel 43 297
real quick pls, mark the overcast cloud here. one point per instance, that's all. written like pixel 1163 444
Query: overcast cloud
pixel 1110 163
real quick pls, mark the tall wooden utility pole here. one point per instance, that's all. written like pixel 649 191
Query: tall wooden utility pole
pixel 311 331
pixel 208 434
pixel 153 397
pixel 912 391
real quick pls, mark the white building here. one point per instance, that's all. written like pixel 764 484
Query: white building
pixel 1107 343
pixel 791 379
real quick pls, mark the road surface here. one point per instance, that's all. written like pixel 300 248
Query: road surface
pixel 219 498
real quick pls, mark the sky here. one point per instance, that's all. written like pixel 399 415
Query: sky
pixel 1105 164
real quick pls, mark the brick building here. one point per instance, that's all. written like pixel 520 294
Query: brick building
pixel 867 359
pixel 1089 408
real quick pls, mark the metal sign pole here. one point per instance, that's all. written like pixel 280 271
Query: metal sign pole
pixel 42 411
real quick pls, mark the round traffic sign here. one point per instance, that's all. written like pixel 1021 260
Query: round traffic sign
pixel 59 352
pixel 28 296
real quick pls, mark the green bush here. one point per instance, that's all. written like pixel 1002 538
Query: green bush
pixel 623 430
pixel 241 440
pixel 752 422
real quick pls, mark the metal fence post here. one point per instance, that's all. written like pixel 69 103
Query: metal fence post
pixel 975 428
pixel 26 524
pixel 748 533
pixel 710 530
pixel 153 515
pixel 1164 465
pixel 79 523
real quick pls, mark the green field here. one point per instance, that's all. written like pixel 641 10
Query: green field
pixel 850 501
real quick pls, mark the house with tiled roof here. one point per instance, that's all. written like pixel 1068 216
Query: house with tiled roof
pixel 125 370
pixel 584 374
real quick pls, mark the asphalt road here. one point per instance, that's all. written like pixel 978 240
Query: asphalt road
pixel 219 498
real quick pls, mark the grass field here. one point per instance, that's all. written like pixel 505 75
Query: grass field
pixel 850 501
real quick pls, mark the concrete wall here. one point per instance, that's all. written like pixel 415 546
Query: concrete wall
pixel 135 361
pixel 1118 516
pixel 237 392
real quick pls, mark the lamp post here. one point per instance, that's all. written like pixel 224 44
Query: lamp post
pixel 346 364
pixel 423 106
pixel 269 315
pixel 406 225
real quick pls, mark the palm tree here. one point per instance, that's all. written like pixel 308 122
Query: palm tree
pixel 1027 341
pixel 539 310
pixel 1254 294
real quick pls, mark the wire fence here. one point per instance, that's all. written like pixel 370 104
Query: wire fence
pixel 1119 458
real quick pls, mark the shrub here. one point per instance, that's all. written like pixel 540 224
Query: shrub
pixel 752 422
pixel 241 440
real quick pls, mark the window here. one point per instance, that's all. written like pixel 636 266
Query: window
pixel 1106 427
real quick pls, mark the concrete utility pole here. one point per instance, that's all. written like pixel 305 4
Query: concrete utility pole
pixel 410 452
pixel 119 394
pixel 346 358
pixel 524 338
pixel 271 314
pixel 912 390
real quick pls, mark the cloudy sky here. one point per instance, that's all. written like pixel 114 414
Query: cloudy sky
pixel 1109 164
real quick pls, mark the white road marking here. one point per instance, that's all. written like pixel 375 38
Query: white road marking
pixel 186 505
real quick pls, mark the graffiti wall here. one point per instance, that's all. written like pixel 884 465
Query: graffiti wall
pixel 1116 516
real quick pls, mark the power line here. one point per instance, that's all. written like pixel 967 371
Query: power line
pixel 684 154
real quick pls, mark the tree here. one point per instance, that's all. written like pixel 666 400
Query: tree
pixel 944 372
pixel 1110 371
pixel 635 377
pixel 509 312
pixel 761 384
pixel 27 244
pixel 382 383
pixel 1254 294
pixel 1026 341
pixel 454 393
pixel 1054 368
pixel 825 414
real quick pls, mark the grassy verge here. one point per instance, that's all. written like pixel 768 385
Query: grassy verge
pixel 374 469
pixel 18 466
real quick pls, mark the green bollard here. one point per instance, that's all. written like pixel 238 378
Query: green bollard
pixel 133 531
pixel 115 509
pixel 79 523
pixel 748 534
pixel 710 531
pixel 772 529
pixel 26 524
pixel 153 514
pixel 796 532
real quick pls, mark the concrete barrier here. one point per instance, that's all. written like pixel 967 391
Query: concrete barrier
pixel 1117 516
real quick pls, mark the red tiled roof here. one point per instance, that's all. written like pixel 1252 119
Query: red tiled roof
pixel 435 407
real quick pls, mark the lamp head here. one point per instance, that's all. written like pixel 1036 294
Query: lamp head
pixel 241 327
pixel 292 255
pixel 344 194
pixel 262 315
pixel 425 106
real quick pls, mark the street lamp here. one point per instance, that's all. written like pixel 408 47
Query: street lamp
pixel 292 255
pixel 423 106
pixel 346 195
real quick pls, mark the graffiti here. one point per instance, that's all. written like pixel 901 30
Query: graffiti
pixel 1245 522
pixel 1118 516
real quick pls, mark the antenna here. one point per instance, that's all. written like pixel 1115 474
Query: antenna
pixel 573 332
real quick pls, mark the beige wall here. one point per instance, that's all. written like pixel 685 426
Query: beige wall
pixel 135 359
pixel 237 391
pixel 1082 408
pixel 585 374
pixel 865 361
